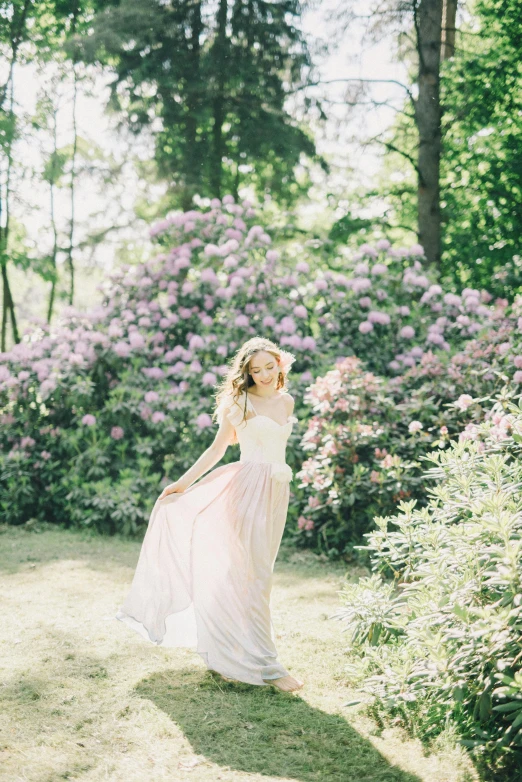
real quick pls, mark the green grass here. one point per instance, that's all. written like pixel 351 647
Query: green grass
pixel 85 698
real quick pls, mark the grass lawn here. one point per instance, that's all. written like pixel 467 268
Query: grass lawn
pixel 85 698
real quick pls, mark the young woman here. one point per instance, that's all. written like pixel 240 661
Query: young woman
pixel 204 573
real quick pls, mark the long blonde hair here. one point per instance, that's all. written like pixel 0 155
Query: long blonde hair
pixel 238 380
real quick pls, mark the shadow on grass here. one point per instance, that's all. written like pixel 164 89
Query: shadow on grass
pixel 258 730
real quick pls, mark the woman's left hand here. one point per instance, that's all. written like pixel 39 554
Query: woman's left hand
pixel 178 487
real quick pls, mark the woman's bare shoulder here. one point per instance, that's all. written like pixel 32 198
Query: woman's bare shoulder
pixel 289 402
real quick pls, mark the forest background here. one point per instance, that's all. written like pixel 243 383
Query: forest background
pixel 114 113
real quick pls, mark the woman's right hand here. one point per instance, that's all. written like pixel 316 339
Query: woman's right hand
pixel 178 487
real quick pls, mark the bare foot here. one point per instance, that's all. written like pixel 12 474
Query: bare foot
pixel 286 683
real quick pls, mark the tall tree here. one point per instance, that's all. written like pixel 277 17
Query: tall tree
pixel 211 81
pixel 425 35
pixel 481 182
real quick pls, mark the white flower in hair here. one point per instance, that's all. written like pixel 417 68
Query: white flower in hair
pixel 286 360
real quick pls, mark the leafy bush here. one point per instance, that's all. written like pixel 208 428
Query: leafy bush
pixel 123 393
pixel 442 640
pixel 364 444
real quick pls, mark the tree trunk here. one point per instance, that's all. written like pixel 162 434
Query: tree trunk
pixel 7 299
pixel 449 16
pixel 8 307
pixel 219 100
pixel 193 100
pixel 72 225
pixel 428 26
pixel 54 280
pixel 17 33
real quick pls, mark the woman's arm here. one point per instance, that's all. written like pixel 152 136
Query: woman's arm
pixel 206 461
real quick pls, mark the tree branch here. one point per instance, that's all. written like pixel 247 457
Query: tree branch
pixel 361 81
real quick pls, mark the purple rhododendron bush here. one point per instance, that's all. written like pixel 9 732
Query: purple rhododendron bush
pixel 101 409
pixel 368 436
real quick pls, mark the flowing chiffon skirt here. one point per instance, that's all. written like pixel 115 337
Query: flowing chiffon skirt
pixel 204 574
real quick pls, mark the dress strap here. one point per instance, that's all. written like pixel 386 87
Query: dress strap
pixel 250 404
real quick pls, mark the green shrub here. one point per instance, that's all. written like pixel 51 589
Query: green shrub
pixel 442 641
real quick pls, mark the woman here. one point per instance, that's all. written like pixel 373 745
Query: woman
pixel 204 573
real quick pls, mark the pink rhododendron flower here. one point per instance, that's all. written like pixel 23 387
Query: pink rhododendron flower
pixel 242 321
pixel 136 340
pixel 452 300
pixel 464 401
pixel 117 433
pixel 196 342
pixel 365 327
pixel 375 476
pixel 416 249
pixel 45 455
pixel 308 343
pixel 89 420
pixel 407 332
pixel 517 377
pixel 300 311
pixel 151 396
pixel 302 267
pixel 379 268
pixel 203 421
pixel 209 379
pixel 27 442
pixel 365 302
pixel 288 325
pixel 379 317
pixel 414 426
pixel 404 311
pixel 158 417
pixel 517 361
pixel 360 284
pixel 321 285
pixel 211 250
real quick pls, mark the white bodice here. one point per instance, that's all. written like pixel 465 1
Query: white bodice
pixel 261 438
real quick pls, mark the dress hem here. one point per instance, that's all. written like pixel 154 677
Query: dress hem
pixel 139 627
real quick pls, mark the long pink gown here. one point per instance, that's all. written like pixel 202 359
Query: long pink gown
pixel 204 574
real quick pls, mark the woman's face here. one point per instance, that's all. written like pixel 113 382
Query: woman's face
pixel 264 370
